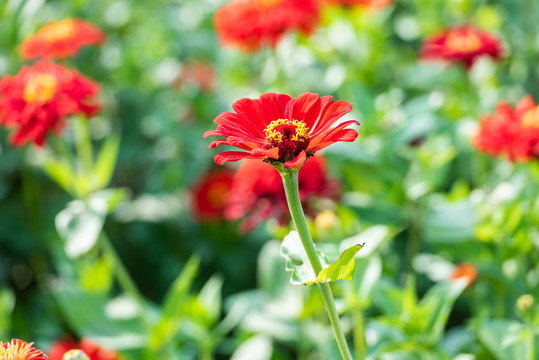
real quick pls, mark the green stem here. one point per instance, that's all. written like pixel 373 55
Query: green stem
pixel 123 277
pixel 290 182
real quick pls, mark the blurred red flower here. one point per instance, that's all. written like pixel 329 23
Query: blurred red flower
pixel 465 270
pixel 371 4
pixel 94 351
pixel 463 44
pixel 60 39
pixel 20 350
pixel 37 100
pixel 198 74
pixel 281 129
pixel 210 195
pixel 252 24
pixel 257 192
pixel 512 133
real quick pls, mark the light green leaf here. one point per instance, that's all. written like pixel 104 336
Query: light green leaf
pixel 341 269
pixel 105 162
pixel 174 305
pixel 80 223
pixel 256 348
pixel 59 170
pixel 297 261
pixel 506 339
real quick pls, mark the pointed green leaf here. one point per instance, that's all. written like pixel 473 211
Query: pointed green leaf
pixel 106 160
pixel 340 269
pixel 60 172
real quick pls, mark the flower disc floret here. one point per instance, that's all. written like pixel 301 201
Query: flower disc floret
pixel 41 88
pixel 279 129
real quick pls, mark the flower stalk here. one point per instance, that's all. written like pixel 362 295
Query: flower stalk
pixel 290 182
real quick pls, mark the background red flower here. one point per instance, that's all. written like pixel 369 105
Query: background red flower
pixel 463 44
pixel 512 133
pixel 94 351
pixel 257 192
pixel 252 24
pixel 36 101
pixel 60 39
pixel 210 194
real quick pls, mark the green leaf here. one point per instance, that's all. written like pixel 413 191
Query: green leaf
pixel 106 161
pixel 7 304
pixel 256 348
pixel 436 306
pixel 297 261
pixel 112 322
pixel 174 305
pixel 80 223
pixel 59 170
pixel 506 339
pixel 340 269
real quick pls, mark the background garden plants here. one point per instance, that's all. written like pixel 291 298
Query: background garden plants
pixel 120 236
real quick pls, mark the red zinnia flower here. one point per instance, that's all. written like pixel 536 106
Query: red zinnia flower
pixel 60 39
pixel 20 350
pixel 252 24
pixel 281 129
pixel 465 270
pixel 37 100
pixel 257 192
pixel 462 44
pixel 371 4
pixel 210 194
pixel 94 351
pixel 513 133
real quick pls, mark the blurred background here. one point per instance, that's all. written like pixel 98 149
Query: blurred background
pixel 205 268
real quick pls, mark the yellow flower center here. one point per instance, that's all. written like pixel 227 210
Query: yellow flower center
pixel 463 42
pixel 58 30
pixel 217 194
pixel 40 88
pixel 294 130
pixel 531 118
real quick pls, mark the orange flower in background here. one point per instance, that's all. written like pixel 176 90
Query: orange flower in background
pixel 210 195
pixel 257 192
pixel 36 101
pixel 20 350
pixel 511 133
pixel 370 4
pixel 252 24
pixel 94 351
pixel 61 39
pixel 280 129
pixel 464 44
pixel 465 270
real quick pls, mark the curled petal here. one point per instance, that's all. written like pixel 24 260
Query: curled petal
pixel 227 156
pixel 297 161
